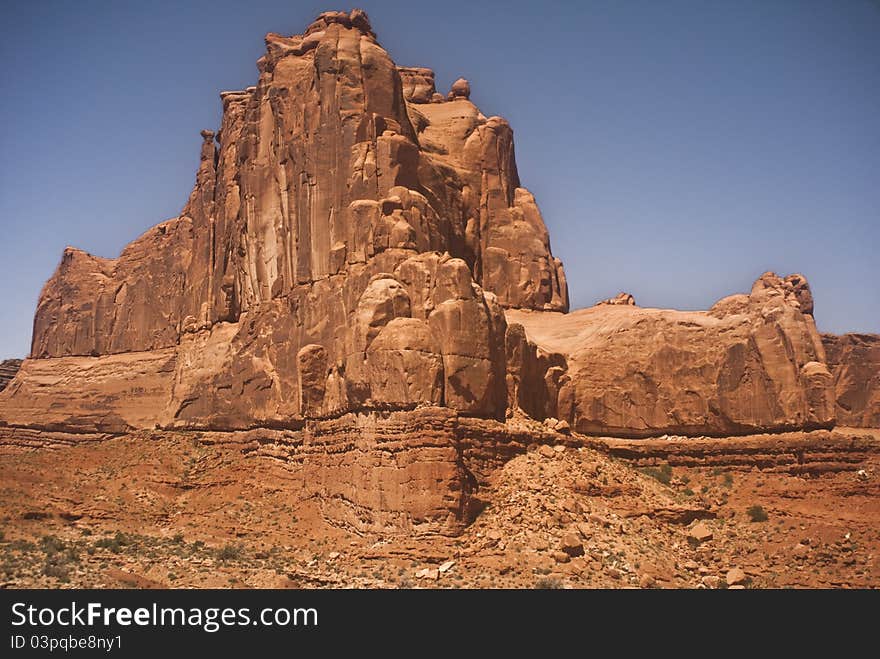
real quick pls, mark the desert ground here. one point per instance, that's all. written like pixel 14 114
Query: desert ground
pixel 165 509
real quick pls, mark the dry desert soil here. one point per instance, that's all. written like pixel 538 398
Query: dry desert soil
pixel 167 509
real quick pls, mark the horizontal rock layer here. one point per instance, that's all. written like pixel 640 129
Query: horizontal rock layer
pixel 418 471
pixel 814 453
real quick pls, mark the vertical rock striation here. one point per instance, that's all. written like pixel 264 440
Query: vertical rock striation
pixel 340 194
pixel 854 360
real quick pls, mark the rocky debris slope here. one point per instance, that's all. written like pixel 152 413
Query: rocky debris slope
pixel 180 509
pixel 854 360
pixel 8 369
pixel 751 363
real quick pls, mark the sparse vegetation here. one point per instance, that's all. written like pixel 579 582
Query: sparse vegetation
pixel 548 583
pixel 229 552
pixel 22 545
pixel 57 571
pixel 663 473
pixel 51 544
pixel 757 513
pixel 114 544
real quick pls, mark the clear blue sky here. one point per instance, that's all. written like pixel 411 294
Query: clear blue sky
pixel 677 149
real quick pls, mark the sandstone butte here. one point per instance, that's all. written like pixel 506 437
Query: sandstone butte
pixel 360 286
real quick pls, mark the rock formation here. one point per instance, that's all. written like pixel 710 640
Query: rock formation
pixel 854 360
pixel 359 285
pixel 331 207
pixel 751 363
pixel 620 299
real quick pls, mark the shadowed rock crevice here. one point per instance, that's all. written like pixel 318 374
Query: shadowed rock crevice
pixel 8 369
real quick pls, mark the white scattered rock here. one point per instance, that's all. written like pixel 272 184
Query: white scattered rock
pixel 445 567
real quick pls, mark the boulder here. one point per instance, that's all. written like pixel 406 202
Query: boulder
pixel 700 533
pixel 461 88
pixel 571 544
pixel 736 577
pixel 624 299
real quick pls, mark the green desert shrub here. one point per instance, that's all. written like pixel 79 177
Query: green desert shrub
pixel 757 513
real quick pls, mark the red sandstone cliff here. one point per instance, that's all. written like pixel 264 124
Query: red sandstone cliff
pixel 352 244
pixel 359 288
pixel 854 360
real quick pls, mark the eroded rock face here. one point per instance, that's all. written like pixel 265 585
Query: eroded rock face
pixel 337 197
pixel 319 168
pixel 534 376
pixel 312 363
pixel 854 360
pixel 752 363
pixel 404 364
pixel 418 84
